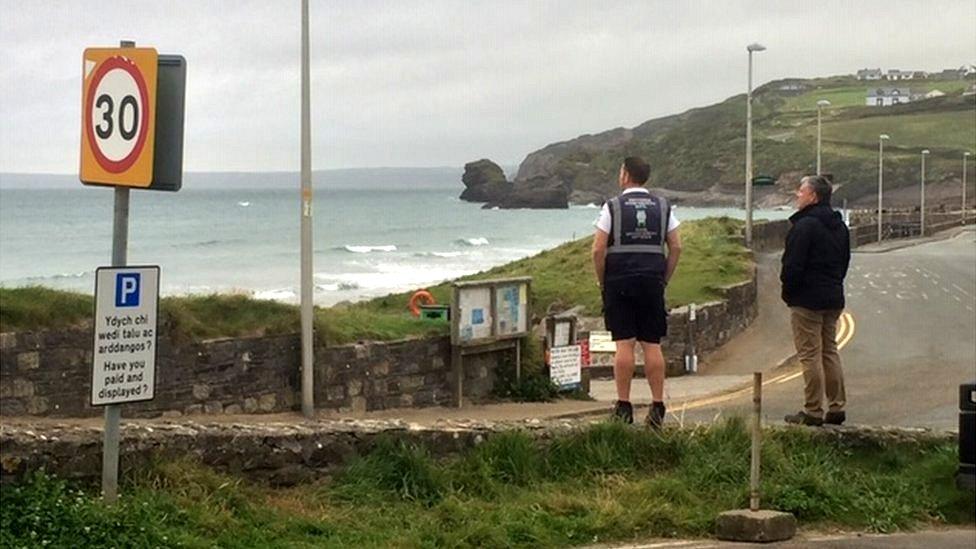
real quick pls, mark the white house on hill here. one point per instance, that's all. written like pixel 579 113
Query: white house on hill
pixel 884 97
pixel 869 74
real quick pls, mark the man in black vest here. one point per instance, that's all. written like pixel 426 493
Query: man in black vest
pixel 635 252
pixel 815 261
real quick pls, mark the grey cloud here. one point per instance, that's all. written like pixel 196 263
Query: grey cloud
pixel 440 82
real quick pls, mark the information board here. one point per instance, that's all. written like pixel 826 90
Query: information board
pixel 474 320
pixel 486 311
pixel 565 366
pixel 124 351
pixel 510 309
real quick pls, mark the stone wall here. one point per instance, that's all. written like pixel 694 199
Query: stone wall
pixel 716 322
pixel 286 454
pixel 769 236
pixel 48 373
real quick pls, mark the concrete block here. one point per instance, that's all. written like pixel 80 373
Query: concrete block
pixel 755 526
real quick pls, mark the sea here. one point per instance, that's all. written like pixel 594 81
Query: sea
pixel 375 231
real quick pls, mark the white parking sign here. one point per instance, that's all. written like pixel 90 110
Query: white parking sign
pixel 124 353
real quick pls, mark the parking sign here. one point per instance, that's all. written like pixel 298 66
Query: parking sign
pixel 124 352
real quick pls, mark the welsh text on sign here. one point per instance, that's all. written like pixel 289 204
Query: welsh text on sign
pixel 124 352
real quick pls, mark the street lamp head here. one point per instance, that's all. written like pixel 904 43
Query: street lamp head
pixel 755 46
pixel 925 151
pixel 823 103
pixel 883 137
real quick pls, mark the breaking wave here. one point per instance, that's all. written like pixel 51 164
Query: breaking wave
pixel 369 249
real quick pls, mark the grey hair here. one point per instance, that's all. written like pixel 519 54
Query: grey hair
pixel 821 187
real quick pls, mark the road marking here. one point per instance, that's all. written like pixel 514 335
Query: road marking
pixel 845 333
pixel 925 296
pixel 664 544
pixel 957 298
pixel 961 290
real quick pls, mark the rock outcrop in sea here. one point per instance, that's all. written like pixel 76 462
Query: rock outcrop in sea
pixel 485 182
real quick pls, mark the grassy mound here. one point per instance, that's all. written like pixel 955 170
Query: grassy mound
pixel 600 483
pixel 562 278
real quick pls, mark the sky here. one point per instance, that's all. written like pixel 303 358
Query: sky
pixel 402 83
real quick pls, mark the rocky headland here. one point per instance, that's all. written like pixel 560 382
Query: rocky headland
pixel 697 157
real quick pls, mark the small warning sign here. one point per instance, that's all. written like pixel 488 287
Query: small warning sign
pixel 124 352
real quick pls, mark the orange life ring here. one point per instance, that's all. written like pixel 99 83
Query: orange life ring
pixel 417 296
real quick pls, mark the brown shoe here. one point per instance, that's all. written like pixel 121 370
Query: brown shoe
pixel 803 418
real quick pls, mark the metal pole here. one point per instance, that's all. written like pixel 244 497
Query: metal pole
pixel 965 156
pixel 921 225
pixel 880 186
pixel 756 440
pixel 819 109
pixel 113 412
pixel 749 157
pixel 308 360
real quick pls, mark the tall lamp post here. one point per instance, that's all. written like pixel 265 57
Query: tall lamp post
pixel 921 225
pixel 881 139
pixel 308 403
pixel 820 105
pixel 754 47
pixel 965 156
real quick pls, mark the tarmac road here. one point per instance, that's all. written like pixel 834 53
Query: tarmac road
pixel 961 538
pixel 913 341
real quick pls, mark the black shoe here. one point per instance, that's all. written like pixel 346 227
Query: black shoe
pixel 835 418
pixel 623 411
pixel 655 416
pixel 802 418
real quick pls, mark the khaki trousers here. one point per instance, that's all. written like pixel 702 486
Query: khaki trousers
pixel 814 334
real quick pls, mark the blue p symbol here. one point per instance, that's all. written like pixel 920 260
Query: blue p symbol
pixel 127 289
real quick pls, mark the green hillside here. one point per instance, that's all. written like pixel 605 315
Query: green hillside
pixel 705 147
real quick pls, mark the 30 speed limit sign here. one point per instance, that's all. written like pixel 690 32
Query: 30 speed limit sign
pixel 118 116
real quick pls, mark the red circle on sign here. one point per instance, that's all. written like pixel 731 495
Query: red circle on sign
pixel 117 166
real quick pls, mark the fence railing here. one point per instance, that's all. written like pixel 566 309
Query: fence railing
pixel 897 224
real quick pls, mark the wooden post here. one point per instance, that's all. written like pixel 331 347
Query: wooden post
pixel 756 434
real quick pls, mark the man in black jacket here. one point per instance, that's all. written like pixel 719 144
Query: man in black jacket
pixel 815 262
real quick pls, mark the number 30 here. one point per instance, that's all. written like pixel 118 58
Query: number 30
pixel 105 102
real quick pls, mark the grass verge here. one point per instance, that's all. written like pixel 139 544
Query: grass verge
pixel 606 482
pixel 562 278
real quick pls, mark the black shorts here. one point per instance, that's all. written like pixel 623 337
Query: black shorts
pixel 634 308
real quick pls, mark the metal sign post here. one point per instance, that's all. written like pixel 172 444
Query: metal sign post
pixel 132 136
pixel 113 412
